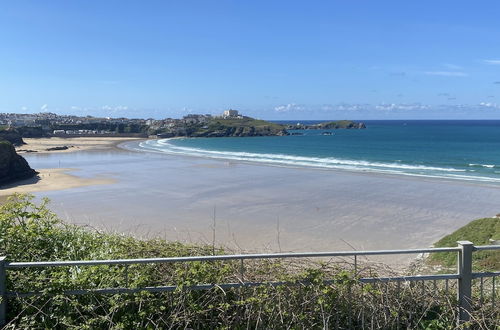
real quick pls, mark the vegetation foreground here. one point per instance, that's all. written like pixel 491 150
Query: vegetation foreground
pixel 31 232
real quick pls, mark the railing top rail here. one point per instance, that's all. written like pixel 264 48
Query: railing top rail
pixel 224 257
pixel 487 247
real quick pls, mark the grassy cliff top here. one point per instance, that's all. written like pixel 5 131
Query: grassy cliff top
pixel 479 232
pixel 11 135
pixel 339 122
pixel 246 126
pixel 243 122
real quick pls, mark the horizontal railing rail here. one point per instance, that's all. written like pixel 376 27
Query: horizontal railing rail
pixel 10 265
pixel 485 274
pixel 464 275
pixel 170 288
pixel 487 247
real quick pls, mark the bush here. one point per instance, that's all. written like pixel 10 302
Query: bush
pixel 318 295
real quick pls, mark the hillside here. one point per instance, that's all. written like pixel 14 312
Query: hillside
pixel 12 166
pixel 340 124
pixel 225 127
pixel 479 232
pixel 11 135
pixel 245 126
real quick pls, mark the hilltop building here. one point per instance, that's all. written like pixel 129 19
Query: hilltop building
pixel 231 114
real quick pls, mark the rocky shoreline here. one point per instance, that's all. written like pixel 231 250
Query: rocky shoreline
pixel 341 124
pixel 247 127
pixel 13 167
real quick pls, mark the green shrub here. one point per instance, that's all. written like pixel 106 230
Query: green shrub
pixel 319 295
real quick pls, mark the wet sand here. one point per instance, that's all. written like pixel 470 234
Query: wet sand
pixel 52 179
pixel 263 208
pixel 57 178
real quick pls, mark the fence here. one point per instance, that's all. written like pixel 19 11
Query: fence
pixel 464 275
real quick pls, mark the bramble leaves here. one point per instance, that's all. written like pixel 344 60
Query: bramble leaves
pixel 319 294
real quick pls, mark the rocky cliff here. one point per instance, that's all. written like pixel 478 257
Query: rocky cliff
pixel 12 166
pixel 220 127
pixel 11 135
pixel 340 124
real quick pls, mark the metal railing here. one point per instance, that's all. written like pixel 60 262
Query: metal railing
pixel 464 274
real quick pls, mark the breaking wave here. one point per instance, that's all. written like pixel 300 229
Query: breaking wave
pixel 166 146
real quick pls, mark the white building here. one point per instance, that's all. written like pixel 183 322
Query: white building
pixel 230 113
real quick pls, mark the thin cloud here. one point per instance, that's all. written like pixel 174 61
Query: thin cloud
pixel 453 66
pixel 114 109
pixel 44 107
pixel 351 107
pixel 492 62
pixel 490 105
pixel 288 107
pixel 402 106
pixel 446 73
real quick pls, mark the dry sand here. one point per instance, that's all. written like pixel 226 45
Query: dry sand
pixel 40 145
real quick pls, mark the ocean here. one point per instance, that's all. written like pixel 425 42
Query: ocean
pixel 456 150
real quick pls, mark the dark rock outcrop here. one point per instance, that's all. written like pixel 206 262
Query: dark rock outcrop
pixel 58 148
pixel 245 126
pixel 12 166
pixel 32 132
pixel 341 124
pixel 12 135
pixel 220 127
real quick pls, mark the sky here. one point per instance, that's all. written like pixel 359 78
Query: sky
pixel 269 59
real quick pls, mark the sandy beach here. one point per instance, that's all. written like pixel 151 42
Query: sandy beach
pixel 259 207
pixel 40 145
pixel 58 178
pixel 52 179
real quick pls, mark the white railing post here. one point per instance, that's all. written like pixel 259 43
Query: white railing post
pixel 3 289
pixel 464 292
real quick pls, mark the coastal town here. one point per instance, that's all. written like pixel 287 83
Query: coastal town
pixel 51 124
pixel 229 123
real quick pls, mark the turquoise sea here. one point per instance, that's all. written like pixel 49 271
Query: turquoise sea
pixel 459 150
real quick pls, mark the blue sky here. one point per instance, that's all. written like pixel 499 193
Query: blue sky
pixel 269 59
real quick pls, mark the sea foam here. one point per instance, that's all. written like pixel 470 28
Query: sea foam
pixel 166 146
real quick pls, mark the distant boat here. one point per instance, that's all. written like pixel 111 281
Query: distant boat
pixel 327 133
